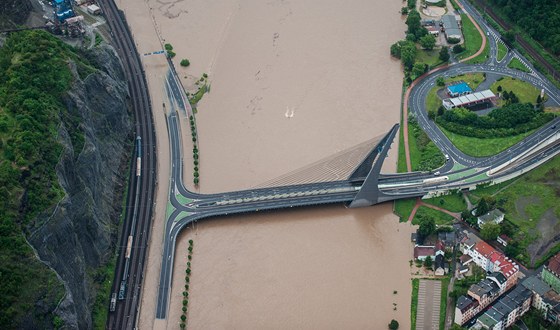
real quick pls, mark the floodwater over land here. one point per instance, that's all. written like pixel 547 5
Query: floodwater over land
pixel 291 82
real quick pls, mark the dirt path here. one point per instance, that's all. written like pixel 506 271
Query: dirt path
pixel 416 207
pixel 453 214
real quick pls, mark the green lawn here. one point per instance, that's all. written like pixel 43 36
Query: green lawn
pixel 440 217
pixel 453 202
pixel 502 51
pixel 483 147
pixel 482 57
pixel 473 39
pixel 517 65
pixel 526 92
pixel 414 302
pixel 527 198
pixel 443 303
pixel 403 208
pixel 430 57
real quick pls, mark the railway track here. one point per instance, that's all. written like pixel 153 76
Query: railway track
pixel 126 310
pixel 522 42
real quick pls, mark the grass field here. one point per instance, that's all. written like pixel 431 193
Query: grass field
pixel 526 92
pixel 453 202
pixel 527 199
pixel 403 208
pixel 517 65
pixel 430 57
pixel 443 303
pixel 482 57
pixel 483 147
pixel 414 302
pixel 502 51
pixel 473 39
pixel 440 217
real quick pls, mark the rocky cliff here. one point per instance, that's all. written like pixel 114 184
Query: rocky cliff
pixel 80 235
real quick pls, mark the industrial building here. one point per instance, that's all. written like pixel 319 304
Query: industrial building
pixel 451 27
pixel 469 99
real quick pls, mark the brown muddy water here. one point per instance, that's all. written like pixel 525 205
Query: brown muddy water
pixel 291 82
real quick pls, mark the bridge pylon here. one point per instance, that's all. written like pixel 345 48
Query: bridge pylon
pixel 370 194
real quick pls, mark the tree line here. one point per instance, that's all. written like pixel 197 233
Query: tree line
pixel 512 119
pixel 538 18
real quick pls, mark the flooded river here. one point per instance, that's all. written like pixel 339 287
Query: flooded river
pixel 291 82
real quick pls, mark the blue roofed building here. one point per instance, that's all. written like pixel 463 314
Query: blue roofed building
pixel 459 89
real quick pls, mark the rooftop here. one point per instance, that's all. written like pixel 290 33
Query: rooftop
pixel 470 98
pixel 554 264
pixel 464 303
pixel 484 287
pixel 423 251
pixel 499 277
pixel 460 88
pixel 492 215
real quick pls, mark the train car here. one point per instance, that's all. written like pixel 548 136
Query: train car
pixel 138 156
pixel 113 305
pixel 122 290
pixel 128 247
pixel 435 180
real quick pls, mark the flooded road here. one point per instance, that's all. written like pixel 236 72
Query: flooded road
pixel 291 83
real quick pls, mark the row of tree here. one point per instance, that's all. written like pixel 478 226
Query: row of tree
pixel 184 309
pixel 406 49
pixel 509 120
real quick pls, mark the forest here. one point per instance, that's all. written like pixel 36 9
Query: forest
pixel 539 18
pixel 34 75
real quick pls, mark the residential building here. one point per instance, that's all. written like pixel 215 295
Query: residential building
pixel 421 252
pixel 441 267
pixel 545 299
pixel 495 216
pixel 506 310
pixel 467 242
pixel 492 260
pixel 465 309
pixel 483 293
pixel 551 272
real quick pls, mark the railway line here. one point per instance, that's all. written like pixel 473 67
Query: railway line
pixel 135 231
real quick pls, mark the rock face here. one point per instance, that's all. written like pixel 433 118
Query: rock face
pixel 80 234
pixel 14 12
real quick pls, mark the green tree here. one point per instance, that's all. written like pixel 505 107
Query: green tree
pixel 490 231
pixel 458 49
pixel 408 54
pixel 404 10
pixel 509 36
pixel 428 262
pixel 441 111
pixel 394 325
pixel 427 226
pixel 428 42
pixel 185 62
pixel 413 22
pixel 396 49
pixel 440 81
pixel 168 47
pixel 444 54
pixel 418 69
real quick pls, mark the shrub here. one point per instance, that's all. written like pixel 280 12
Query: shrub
pixel 183 317
pixel 453 40
pixel 184 62
pixel 185 302
pixel 204 75
pixel 458 49
pixel 191 242
pixel 184 309
pixel 168 47
pixel 394 325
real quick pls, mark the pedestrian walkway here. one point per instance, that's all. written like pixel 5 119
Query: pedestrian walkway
pixel 429 299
